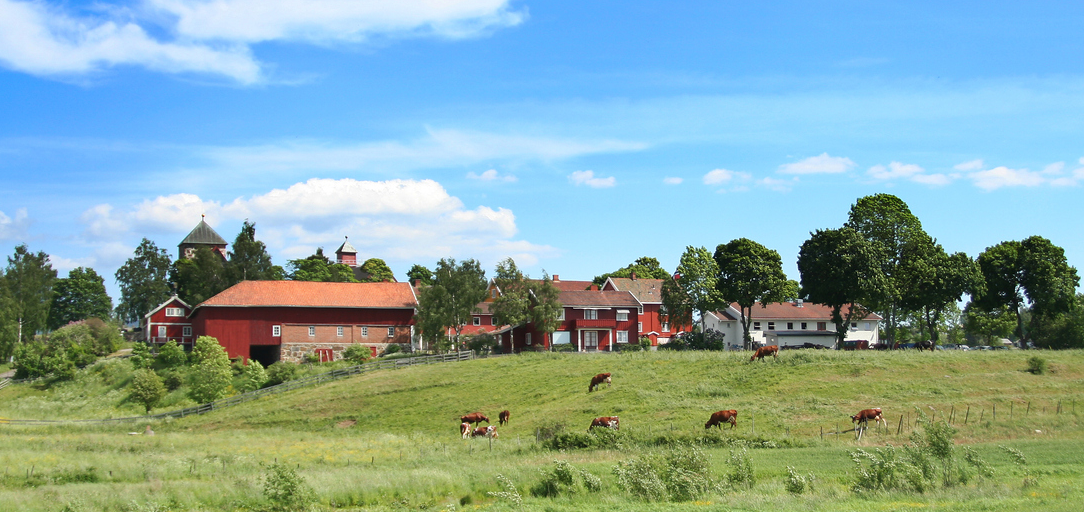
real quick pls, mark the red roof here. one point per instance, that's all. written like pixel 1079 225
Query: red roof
pixel 647 291
pixel 571 286
pixel 792 311
pixel 313 294
pixel 595 298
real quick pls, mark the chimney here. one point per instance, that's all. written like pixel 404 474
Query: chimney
pixel 417 283
pixel 633 275
pixel 556 278
pixel 594 287
pixel 799 302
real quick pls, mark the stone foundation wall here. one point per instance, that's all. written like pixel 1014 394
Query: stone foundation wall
pixel 296 352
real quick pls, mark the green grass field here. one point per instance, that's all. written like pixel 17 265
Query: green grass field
pixel 389 440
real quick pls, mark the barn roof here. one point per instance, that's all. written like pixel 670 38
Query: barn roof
pixel 647 291
pixel 311 294
pixel 203 234
pixel 596 298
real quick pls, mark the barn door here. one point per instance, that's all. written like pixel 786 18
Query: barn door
pixel 326 354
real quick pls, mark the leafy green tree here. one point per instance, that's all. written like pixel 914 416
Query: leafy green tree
pixel 378 271
pixel 9 320
pixel 249 259
pixel 253 376
pixel 211 375
pixel 80 296
pixel 644 268
pixel 843 271
pixel 29 279
pixel 143 281
pixel 199 278
pixel 886 222
pixel 1067 330
pixel 281 371
pixel 1033 271
pixel 453 298
pixel 930 281
pixel 171 355
pixel 420 273
pixel 513 305
pixel 546 307
pixel 696 281
pixel 147 389
pixel 318 267
pixel 750 273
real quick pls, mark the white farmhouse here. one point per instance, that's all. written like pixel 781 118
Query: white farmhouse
pixel 792 324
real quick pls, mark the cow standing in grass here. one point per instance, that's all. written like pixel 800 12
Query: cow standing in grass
pixel 597 381
pixel 504 416
pixel 474 417
pixel 610 422
pixel 863 417
pixel 762 352
pixel 490 432
pixel 718 418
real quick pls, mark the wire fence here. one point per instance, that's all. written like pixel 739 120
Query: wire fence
pixel 5 383
pixel 388 364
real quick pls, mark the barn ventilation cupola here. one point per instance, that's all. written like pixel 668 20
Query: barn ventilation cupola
pixel 346 254
pixel 202 236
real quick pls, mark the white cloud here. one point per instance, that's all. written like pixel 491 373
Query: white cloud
pixel 672 180
pixel 14 229
pixel 39 39
pixel 214 37
pixel 937 180
pixel 973 165
pixel 724 176
pixel 588 178
pixel 491 175
pixel 1055 168
pixel 1005 177
pixel 821 164
pixel 778 185
pixel 1073 179
pixel 909 172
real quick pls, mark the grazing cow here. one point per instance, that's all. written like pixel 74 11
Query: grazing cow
pixel 762 352
pixel 610 422
pixel 474 417
pixel 504 417
pixel 464 430
pixel 718 418
pixel 597 381
pixel 490 431
pixel 865 415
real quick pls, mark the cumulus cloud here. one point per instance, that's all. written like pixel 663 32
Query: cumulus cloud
pixel 41 38
pixel 588 178
pixel 724 177
pixel 671 180
pixel 821 164
pixel 778 185
pixel 972 165
pixel 491 175
pixel 908 172
pixel 14 228
pixel 998 177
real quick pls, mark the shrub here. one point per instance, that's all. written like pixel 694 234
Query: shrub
pixel 683 474
pixel 741 469
pixel 1021 462
pixel 171 355
pixel 286 490
pixel 38 359
pixel 210 377
pixel 279 372
pixel 562 480
pixel 357 354
pixel 1037 365
pixel 913 468
pixel 310 358
pixel 640 478
pixel 645 343
pixel 253 376
pixel 393 348
pixel 173 380
pixel 510 493
pixel 106 336
pixel 147 388
pixel 709 340
pixel 483 343
pixel 141 355
pixel 796 483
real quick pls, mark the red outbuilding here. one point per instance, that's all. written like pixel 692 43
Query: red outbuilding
pixel 168 321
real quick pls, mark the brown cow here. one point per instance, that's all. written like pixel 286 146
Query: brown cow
pixel 865 415
pixel 597 381
pixel 762 352
pixel 718 418
pixel 504 417
pixel 464 430
pixel 474 417
pixel 610 422
pixel 490 431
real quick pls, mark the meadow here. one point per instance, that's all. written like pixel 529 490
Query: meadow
pixel 389 440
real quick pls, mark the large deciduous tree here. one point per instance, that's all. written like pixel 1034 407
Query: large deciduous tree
pixel 512 306
pixel 377 270
pixel 886 222
pixel 200 278
pixel 546 299
pixel 750 273
pixel 644 268
pixel 28 289
pixel 79 296
pixel 249 259
pixel 143 281
pixel 318 267
pixel 693 288
pixel 843 271
pixel 1033 271
pixel 930 281
pixel 420 274
pixel 453 298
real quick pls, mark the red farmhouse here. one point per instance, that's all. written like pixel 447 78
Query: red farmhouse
pixel 285 320
pixel 168 321
pixel 591 320
pixel 649 293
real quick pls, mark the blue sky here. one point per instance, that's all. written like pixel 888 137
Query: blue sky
pixel 571 136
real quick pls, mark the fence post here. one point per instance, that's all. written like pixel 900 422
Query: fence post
pixel 968 413
pixel 900 426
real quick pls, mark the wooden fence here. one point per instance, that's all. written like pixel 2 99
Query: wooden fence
pixel 387 364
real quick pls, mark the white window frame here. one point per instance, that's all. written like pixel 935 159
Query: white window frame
pixel 492 320
pixel 186 331
pixel 528 338
pixel 590 314
pixel 790 326
pixel 866 325
pixel 594 336
pixel 162 331
pixel 339 331
pixel 276 331
pixel 312 330
pixel 365 332
pixel 854 326
pixel 175 312
pixel 756 326
pixel 391 332
pixel 666 327
pixel 622 334
pixel 771 326
pixel 639 327
pixel 561 314
pixel 804 325
pixel 639 310
pixel 476 320
pixel 622 316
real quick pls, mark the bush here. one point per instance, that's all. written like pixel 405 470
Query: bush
pixel 683 474
pixel 172 380
pixel 393 348
pixel 147 388
pixel 640 478
pixel 171 355
pixel 279 372
pixel 253 376
pixel 106 336
pixel 798 484
pixel 310 358
pixel 210 377
pixel 562 480
pixel 483 343
pixel 141 356
pixel 710 340
pixel 286 490
pixel 913 468
pixel 1037 365
pixel 741 472
pixel 645 343
pixel 357 354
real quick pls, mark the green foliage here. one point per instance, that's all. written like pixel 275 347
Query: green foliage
pixel 797 483
pixel 843 271
pixel 200 278
pixel 286 490
pixel 377 270
pixel 450 301
pixel 913 469
pixel 697 291
pixel 80 296
pixel 595 439
pixel 645 343
pixel 310 358
pixel 143 281
pixel 1021 461
pixel 710 340
pixel 741 469
pixel 1064 330
pixel 281 371
pixel 72 346
pixel 509 493
pixel 482 343
pixel 141 356
pixel 644 268
pixel 28 288
pixel 171 355
pixel 249 260
pixel 173 380
pixel 37 359
pixel 210 376
pixel 253 376
pixel 562 481
pixel 357 354
pixel 640 478
pixel 513 305
pixel 147 388
pixel 546 306
pixel 931 282
pixel 319 268
pixel 682 474
pixel 1037 365
pixel 750 273
pixel 420 273
pixel 393 348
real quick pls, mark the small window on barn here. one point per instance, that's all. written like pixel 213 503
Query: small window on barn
pixel 665 327
pixel 756 326
pixel 561 314
pixel 312 330
pixel 622 336
pixel 391 332
pixel 790 326
pixel 339 331
pixel 639 327
pixel 804 326
pixel 174 312
pixel 771 326
pixel 590 314
pixel 364 332
pixel 622 316
pixel 186 331
pixel 528 338
pixel 477 320
pixel 276 331
pixel 640 310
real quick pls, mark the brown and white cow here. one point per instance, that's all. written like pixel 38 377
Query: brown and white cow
pixel 464 430
pixel 504 416
pixel 474 417
pixel 610 422
pixel 597 381
pixel 865 415
pixel 719 417
pixel 762 352
pixel 490 431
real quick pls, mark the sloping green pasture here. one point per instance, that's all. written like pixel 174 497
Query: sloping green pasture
pixel 389 440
